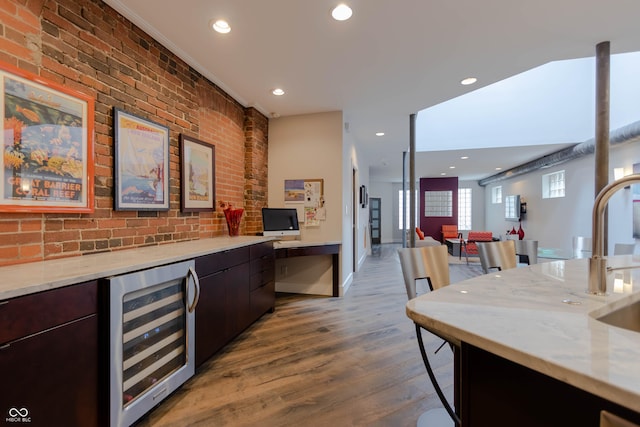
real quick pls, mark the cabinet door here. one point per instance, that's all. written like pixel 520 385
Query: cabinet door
pixel 238 300
pixel 53 375
pixel 212 330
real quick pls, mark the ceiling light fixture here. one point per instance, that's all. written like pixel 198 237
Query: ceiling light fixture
pixel 277 92
pixel 468 81
pixel 464 157
pixel 498 169
pixel 443 173
pixel 379 133
pixel 452 167
pixel 341 12
pixel 221 26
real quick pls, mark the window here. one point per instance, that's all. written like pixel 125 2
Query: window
pixel 464 209
pixel 553 185
pixel 402 202
pixel 496 194
pixel 438 203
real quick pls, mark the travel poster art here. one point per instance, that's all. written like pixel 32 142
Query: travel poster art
pixel 142 162
pixel 44 143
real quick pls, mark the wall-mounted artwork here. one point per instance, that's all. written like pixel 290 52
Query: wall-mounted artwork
pixel 47 145
pixel 198 174
pixel 141 163
pixel 306 195
pixel 364 196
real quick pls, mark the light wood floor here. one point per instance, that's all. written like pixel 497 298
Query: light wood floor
pixel 321 361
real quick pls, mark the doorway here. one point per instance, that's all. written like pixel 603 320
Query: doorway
pixel 375 223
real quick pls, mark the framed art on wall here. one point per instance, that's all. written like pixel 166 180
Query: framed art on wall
pixel 47 145
pixel 198 175
pixel 141 166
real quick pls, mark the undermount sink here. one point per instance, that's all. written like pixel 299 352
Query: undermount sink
pixel 626 317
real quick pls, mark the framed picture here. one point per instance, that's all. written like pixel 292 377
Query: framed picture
pixel 47 145
pixel 198 175
pixel 141 163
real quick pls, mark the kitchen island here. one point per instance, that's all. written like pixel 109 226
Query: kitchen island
pixel 532 351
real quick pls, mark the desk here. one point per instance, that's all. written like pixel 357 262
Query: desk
pixel 294 248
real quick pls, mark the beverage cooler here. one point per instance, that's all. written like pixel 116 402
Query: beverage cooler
pixel 151 337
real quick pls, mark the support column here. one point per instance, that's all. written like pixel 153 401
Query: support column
pixel 602 129
pixel 412 180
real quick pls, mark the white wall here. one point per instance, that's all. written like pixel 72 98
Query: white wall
pixel 313 146
pixel 388 194
pixel 554 222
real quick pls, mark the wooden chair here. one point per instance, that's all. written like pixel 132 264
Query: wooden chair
pixel 500 255
pixel 469 246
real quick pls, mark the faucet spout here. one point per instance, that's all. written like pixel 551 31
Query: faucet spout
pixel 597 262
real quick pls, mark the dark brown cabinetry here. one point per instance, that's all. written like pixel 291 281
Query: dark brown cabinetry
pixel 49 357
pixel 499 392
pixel 236 288
pixel 263 279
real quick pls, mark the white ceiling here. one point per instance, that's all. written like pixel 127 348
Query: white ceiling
pixel 396 58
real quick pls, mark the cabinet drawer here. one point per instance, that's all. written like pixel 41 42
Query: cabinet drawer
pixel 29 314
pixel 262 264
pixel 263 299
pixel 261 250
pixel 208 264
pixel 262 277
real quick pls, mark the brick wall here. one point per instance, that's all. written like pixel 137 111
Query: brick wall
pixel 87 46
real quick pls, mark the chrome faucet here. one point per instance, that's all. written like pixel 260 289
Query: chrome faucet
pixel 597 262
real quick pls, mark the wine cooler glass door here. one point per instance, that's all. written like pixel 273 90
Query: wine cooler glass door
pixel 151 338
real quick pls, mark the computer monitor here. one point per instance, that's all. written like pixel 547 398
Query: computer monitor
pixel 277 222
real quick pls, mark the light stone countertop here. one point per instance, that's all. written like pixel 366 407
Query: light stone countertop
pixel 519 314
pixel 24 279
pixel 292 243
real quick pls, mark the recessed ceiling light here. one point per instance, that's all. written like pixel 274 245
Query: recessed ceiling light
pixel 468 81
pixel 452 167
pixel 341 12
pixel 379 133
pixel 221 26
pixel 498 169
pixel 464 157
pixel 277 92
pixel 443 173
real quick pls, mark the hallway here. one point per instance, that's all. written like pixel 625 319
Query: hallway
pixel 320 361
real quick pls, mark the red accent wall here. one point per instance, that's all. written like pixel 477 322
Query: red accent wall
pixel 432 226
pixel 87 46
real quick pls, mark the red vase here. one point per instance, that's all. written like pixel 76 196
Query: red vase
pixel 520 232
pixel 233 217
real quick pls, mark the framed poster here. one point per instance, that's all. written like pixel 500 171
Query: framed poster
pixel 47 145
pixel 198 175
pixel 141 163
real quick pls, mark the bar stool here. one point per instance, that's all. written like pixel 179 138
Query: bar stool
pixel 528 249
pixel 430 263
pixel 500 255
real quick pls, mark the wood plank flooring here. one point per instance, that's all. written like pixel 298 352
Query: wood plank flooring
pixel 321 361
